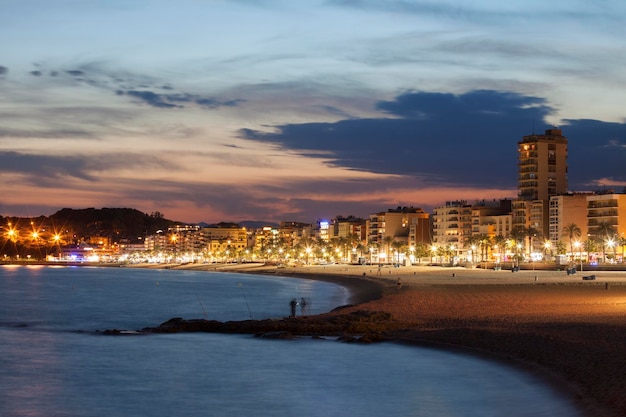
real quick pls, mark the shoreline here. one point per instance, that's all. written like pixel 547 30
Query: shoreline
pixel 567 331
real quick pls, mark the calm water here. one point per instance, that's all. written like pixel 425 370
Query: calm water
pixel 52 363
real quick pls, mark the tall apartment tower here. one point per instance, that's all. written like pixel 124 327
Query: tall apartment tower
pixel 542 162
pixel 542 173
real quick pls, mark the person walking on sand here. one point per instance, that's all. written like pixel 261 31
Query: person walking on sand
pixel 399 283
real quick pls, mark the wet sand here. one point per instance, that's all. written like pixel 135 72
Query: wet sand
pixel 570 332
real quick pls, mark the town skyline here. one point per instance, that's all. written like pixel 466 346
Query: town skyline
pixel 270 110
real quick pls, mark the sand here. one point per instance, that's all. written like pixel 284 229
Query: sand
pixel 568 331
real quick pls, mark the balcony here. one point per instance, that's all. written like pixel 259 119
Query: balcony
pixel 602 204
pixel 592 223
pixel 602 213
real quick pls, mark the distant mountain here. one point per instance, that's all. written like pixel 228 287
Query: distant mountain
pixel 117 224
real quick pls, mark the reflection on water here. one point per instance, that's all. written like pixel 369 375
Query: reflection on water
pixel 50 369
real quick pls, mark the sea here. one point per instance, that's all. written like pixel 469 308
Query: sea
pixel 55 361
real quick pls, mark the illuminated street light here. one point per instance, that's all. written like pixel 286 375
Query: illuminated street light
pixel 611 244
pixel 578 246
pixel 547 246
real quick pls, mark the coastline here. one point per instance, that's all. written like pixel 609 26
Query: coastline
pixel 569 332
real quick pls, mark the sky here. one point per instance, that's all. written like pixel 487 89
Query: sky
pixel 277 110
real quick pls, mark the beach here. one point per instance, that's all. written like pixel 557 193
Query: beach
pixel 570 331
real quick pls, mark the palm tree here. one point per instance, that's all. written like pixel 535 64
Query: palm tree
pixel 388 240
pixel 484 243
pixel 589 245
pixel 532 232
pixel 518 235
pixel 499 241
pixel 472 242
pixel 398 246
pixel 605 231
pixel 572 232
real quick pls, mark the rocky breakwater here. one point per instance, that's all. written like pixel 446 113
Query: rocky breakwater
pixel 357 326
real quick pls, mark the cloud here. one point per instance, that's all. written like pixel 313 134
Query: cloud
pixel 45 170
pixel 501 13
pixel 3 70
pixel 466 140
pixel 45 133
pixel 434 136
pixel 41 168
pixel 151 98
pixel 597 153
pixel 213 103
pixel 169 100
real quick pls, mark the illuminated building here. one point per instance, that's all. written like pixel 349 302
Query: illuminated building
pixel 542 173
pixel 407 225
pixel 452 223
pixel 607 211
pixel 564 210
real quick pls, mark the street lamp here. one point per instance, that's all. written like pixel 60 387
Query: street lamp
pixel 611 244
pixel 547 247
pixel 174 239
pixel 35 237
pixel 577 245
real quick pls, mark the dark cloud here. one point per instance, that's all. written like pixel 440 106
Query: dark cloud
pixel 151 98
pixel 3 70
pixel 213 103
pixel 75 73
pixel 169 100
pixel 466 140
pixel 597 151
pixel 45 170
pixel 42 168
pixel 36 73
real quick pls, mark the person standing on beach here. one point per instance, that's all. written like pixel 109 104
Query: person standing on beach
pixel 293 305
pixel 303 306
